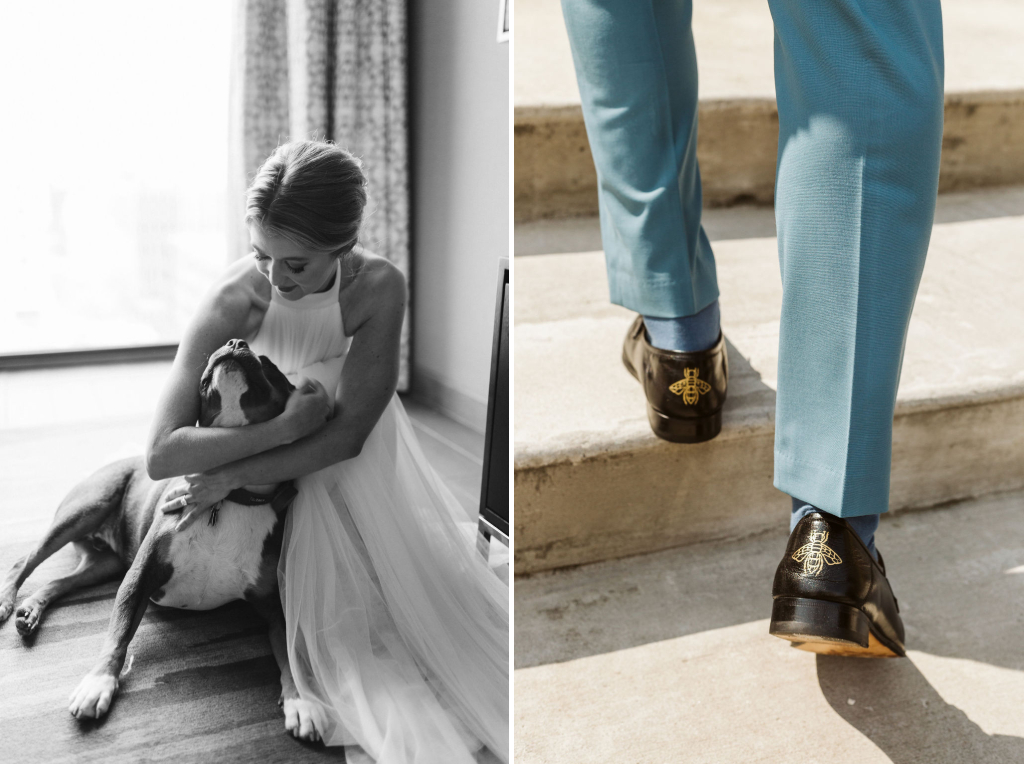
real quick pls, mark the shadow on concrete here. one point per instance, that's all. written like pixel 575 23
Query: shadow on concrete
pixel 746 387
pixel 958 572
pixel 896 708
pixel 948 567
pixel 952 569
pixel 549 237
pixel 982 204
pixel 553 237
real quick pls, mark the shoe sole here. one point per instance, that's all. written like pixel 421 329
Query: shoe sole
pixel 830 628
pixel 875 649
pixel 695 430
pixel 675 429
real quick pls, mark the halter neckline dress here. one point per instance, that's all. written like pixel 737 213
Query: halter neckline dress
pixel 397 629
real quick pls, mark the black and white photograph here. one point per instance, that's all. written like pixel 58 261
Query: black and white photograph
pixel 255 360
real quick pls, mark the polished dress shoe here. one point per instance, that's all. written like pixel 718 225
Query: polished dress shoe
pixel 831 596
pixel 685 391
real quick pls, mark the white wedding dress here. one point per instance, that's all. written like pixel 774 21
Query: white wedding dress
pixel 397 628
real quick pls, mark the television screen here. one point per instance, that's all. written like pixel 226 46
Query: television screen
pixel 494 496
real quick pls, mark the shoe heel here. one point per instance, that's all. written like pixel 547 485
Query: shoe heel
pixel 695 430
pixel 629 366
pixel 800 619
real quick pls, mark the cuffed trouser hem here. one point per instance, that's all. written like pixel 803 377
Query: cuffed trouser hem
pixel 658 297
pixel 828 489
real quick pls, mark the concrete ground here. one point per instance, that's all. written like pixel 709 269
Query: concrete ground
pixel 667 658
pixel 204 685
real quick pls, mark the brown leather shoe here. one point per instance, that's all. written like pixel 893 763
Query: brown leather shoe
pixel 685 391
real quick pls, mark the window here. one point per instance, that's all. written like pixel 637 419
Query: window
pixel 113 202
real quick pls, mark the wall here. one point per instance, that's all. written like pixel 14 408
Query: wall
pixel 459 93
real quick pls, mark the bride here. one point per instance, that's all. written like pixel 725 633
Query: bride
pixel 397 631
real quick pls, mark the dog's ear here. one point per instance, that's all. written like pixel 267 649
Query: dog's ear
pixel 275 377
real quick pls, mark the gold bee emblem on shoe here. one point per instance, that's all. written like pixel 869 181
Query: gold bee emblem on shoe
pixel 815 553
pixel 690 387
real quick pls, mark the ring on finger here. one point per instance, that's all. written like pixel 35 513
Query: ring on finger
pixel 183 501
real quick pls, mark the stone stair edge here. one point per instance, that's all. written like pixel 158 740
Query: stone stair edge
pixel 555 178
pixel 573 110
pixel 565 519
pixel 568 450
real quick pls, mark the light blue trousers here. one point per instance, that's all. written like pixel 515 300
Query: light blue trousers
pixel 859 85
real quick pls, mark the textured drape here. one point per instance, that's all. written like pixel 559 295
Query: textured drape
pixel 333 69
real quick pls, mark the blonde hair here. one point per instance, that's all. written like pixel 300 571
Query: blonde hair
pixel 312 192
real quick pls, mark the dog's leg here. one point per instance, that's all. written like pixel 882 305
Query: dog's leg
pixel 94 567
pixel 302 718
pixel 148 572
pixel 81 512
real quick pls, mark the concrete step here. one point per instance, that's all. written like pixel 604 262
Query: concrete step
pixel 667 657
pixel 592 482
pixel 983 144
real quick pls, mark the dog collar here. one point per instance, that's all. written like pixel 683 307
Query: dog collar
pixel 279 500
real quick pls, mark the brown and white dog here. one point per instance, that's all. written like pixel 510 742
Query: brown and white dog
pixel 112 519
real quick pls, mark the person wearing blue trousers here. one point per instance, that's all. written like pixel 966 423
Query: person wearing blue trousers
pixel 859 86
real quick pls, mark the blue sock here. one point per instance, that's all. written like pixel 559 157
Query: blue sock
pixel 686 334
pixel 864 526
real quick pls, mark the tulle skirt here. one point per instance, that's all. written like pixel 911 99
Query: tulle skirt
pixel 397 628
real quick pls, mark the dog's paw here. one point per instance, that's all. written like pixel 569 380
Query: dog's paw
pixel 6 606
pixel 302 719
pixel 28 617
pixel 92 697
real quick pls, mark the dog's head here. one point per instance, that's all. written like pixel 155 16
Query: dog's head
pixel 238 387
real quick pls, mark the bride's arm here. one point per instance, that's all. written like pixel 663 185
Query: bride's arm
pixel 176 446
pixel 368 381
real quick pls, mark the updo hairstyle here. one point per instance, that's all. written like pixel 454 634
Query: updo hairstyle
pixel 311 192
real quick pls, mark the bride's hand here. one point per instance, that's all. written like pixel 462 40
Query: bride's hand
pixel 308 407
pixel 195 494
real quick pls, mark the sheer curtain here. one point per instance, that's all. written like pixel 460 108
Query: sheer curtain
pixel 333 69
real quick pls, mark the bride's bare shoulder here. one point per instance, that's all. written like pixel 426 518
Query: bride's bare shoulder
pixel 376 288
pixel 240 293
